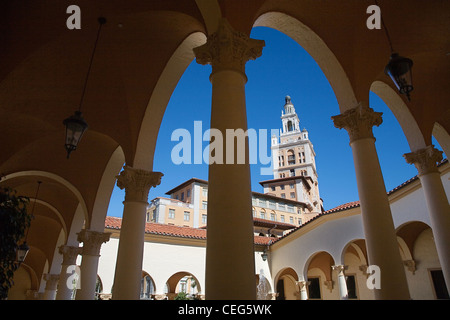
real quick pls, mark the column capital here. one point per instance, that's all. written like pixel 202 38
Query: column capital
pixel 137 183
pixel 340 268
pixel 358 122
pixel 228 49
pixel 302 284
pixel 69 254
pixel 51 281
pixel 425 159
pixel 92 241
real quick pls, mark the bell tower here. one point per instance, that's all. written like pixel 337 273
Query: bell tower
pixel 294 164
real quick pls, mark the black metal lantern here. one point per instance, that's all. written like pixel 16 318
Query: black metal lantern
pixel 399 69
pixel 75 127
pixel 22 252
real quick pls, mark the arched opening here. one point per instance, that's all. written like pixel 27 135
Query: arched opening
pixel 183 286
pixel 147 287
pixel 286 284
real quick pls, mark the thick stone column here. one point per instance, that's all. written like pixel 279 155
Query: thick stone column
pixel 50 286
pixel 342 284
pixel 230 265
pixel 381 239
pixel 68 265
pixel 137 184
pixel 426 161
pixel 92 242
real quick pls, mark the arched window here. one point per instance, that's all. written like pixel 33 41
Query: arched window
pixel 289 126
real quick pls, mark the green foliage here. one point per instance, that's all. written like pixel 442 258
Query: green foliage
pixel 14 221
pixel 181 296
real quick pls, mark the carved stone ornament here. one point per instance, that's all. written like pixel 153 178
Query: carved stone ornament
pixel 358 122
pixel 228 49
pixel 340 268
pixel 92 241
pixel 425 159
pixel 51 281
pixel 69 254
pixel 137 183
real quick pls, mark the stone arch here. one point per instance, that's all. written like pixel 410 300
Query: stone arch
pixel 401 112
pixel 442 137
pixel 56 178
pixel 146 292
pixel 174 279
pixel 407 234
pixel 318 49
pixel 321 260
pixel 358 248
pixel 285 284
pixel 174 69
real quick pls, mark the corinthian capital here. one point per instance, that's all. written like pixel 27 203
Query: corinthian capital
pixel 425 159
pixel 92 241
pixel 137 183
pixel 228 49
pixel 358 122
pixel 69 254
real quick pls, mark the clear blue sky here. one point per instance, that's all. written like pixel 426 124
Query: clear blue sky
pixel 284 68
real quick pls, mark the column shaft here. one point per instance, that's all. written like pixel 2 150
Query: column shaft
pixel 379 230
pixel 342 283
pixel 437 202
pixel 92 241
pixel 128 274
pixel 230 265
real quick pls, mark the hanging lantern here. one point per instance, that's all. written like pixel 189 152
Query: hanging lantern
pixel 399 69
pixel 75 127
pixel 22 252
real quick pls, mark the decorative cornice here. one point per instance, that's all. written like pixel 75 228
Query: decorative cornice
pixel 228 49
pixel 69 254
pixel 137 183
pixel 92 241
pixel 425 159
pixel 358 122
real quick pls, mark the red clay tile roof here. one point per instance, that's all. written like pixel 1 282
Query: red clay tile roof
pixel 175 231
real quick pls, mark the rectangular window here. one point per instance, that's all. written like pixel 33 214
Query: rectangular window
pixel 282 187
pixel 273 188
pixel 262 215
pixel 314 288
pixel 292 195
pixel 283 196
pixel 262 203
pixel 204 218
pixel 205 192
pixel 290 209
pixel 440 289
pixel 292 186
pixel 351 286
pixel 187 216
pixel 182 196
pixel 272 217
pixel 205 205
pixel 282 218
pixel 171 213
pixel 188 193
